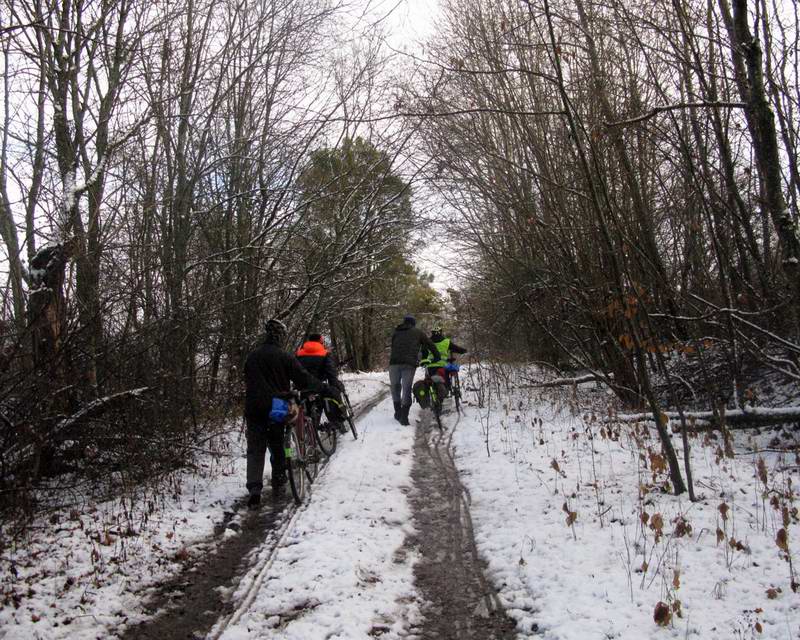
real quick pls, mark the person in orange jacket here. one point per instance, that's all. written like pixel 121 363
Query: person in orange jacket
pixel 319 362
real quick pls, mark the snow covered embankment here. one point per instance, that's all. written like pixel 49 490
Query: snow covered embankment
pixel 584 539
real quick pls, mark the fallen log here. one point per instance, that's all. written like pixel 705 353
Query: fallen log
pixel 20 451
pixel 746 418
pixel 560 382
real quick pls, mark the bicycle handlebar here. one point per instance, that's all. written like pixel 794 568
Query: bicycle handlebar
pixel 298 394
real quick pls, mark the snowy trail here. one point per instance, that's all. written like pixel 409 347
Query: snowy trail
pixel 340 568
pixel 198 603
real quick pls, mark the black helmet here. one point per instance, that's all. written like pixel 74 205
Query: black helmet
pixel 275 331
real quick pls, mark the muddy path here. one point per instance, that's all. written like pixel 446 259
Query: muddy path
pixel 460 603
pixel 197 602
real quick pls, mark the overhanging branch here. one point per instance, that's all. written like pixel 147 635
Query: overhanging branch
pixel 676 107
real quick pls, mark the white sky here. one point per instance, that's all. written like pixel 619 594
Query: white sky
pixel 411 20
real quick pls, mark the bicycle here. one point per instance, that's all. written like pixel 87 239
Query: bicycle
pixel 432 385
pixel 326 433
pixel 346 406
pixel 301 445
pixel 453 382
pixel 349 416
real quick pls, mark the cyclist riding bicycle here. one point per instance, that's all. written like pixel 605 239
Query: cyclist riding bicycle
pixel 319 362
pixel 446 348
pixel 268 374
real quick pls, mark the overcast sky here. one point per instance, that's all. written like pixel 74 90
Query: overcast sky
pixel 410 19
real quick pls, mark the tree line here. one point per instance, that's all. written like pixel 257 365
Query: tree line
pixel 172 175
pixel 625 179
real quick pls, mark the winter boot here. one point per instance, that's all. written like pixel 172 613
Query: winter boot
pixel 404 414
pixel 397 411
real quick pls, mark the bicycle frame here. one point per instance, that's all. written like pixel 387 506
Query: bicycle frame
pixel 300 449
pixel 433 394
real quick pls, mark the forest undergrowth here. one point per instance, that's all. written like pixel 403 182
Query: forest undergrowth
pixel 735 545
pixel 94 546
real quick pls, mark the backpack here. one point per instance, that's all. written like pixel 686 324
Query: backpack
pixel 420 392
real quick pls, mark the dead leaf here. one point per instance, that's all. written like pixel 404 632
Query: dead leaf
pixel 662 615
pixel 723 511
pixel 772 593
pixel 762 470
pixel 782 540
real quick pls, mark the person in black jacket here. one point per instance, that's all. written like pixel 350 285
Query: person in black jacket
pixel 268 372
pixel 407 341
pixel 319 362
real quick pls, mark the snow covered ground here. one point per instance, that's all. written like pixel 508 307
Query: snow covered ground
pixel 572 514
pixel 82 570
pixel 584 539
pixel 342 572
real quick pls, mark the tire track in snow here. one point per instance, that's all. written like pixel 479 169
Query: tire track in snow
pixel 261 570
pixel 461 603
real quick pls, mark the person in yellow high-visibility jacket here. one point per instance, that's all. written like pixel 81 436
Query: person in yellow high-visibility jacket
pixel 446 348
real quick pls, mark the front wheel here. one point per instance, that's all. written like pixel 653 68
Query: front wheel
pixel 326 436
pixel 348 414
pixel 294 466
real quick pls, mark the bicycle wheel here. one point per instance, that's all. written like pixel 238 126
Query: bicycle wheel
pixel 311 459
pixel 457 392
pixel 294 466
pixel 436 405
pixel 348 413
pixel 326 436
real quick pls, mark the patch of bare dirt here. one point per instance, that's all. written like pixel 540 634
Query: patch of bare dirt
pixel 187 606
pixel 460 603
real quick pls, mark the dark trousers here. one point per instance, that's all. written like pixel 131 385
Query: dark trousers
pixel 261 437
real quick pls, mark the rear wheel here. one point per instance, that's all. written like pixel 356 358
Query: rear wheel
pixel 436 405
pixel 311 459
pixel 456 392
pixel 294 466
pixel 326 436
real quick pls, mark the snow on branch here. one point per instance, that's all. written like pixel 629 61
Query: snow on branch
pixel 559 382
pixel 95 407
pixel 91 409
pixel 737 418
